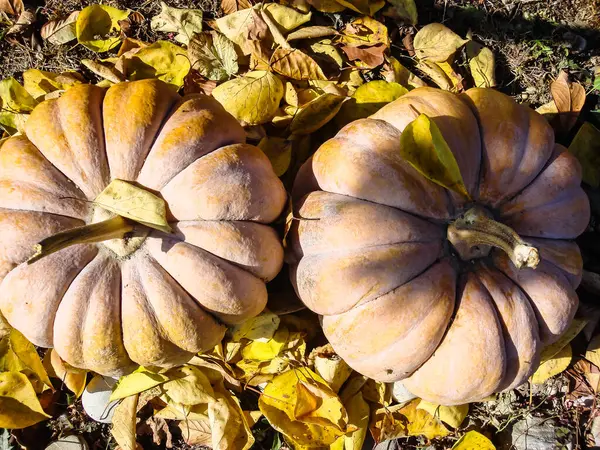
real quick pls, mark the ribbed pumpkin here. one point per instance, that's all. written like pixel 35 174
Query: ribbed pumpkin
pixel 151 298
pixel 416 283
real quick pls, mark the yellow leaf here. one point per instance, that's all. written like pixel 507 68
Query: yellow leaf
pixel 14 98
pixel 132 202
pixel 138 381
pixel 252 417
pixel 358 416
pixel 333 369
pixel 394 71
pixel 482 65
pixel 255 372
pixel 98 27
pixel 259 328
pixel 436 73
pixel 265 351
pixel 313 32
pixel 176 411
pixel 452 415
pixel 188 386
pixel 213 55
pixel 423 147
pixel 299 404
pixel 354 384
pixel 56 367
pixel 436 42
pixel 456 80
pixel 365 31
pixel 570 333
pixel 60 31
pixel 17 354
pixel 325 48
pixel 104 70
pixel 555 365
pixel 123 423
pixel 368 99
pixel 316 113
pixel 363 6
pixel 196 432
pixel 231 6
pixel 279 151
pixel 586 148
pixel 592 353
pixel 183 21
pixel 4 325
pixel 294 64
pixel 377 392
pixel 39 83
pixel 473 440
pixel 228 424
pixel 252 98
pixel 19 406
pixel 163 60
pixel 290 95
pixel 326 6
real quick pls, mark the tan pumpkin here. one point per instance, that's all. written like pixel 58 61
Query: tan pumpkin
pixel 401 269
pixel 150 298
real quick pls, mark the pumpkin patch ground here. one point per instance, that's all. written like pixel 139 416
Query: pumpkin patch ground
pixel 299 224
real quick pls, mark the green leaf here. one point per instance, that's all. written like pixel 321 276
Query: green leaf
pixel 423 147
pixel 98 27
pixel 586 148
pixel 132 202
pixel 184 22
pixel 213 55
pixel 163 60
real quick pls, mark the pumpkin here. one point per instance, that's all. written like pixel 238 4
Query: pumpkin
pixel 455 296
pixel 144 297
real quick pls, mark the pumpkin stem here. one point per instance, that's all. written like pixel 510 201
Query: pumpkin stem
pixel 476 228
pixel 113 228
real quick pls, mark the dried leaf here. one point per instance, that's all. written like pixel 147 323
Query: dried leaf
pixel 377 392
pixel 456 80
pixel 228 424
pixel 12 7
pixel 185 22
pixel 259 328
pixel 188 386
pixel 367 7
pixel 358 416
pixel 570 333
pixel 231 6
pixel 436 42
pixel 136 382
pixel 74 379
pixel 132 202
pixel 368 99
pixel 569 99
pixel 213 55
pixel 97 27
pixel 19 406
pixel 279 152
pixel 14 98
pixel 333 369
pixel 24 24
pixel 194 83
pixel 17 354
pixel 423 147
pixel 266 350
pixel 290 95
pixel 553 366
pixel 104 70
pixel 395 72
pixel 365 31
pixel 326 6
pixel 316 113
pixel 40 83
pixel 163 60
pixel 123 423
pixel 586 148
pixel 327 54
pixel 482 65
pixel 405 10
pixel 294 64
pixel 313 32
pixel 60 31
pixel 253 98
pixel 196 432
pixel 473 440
pixel 371 57
pixel 436 73
pixel 452 415
pixel 592 353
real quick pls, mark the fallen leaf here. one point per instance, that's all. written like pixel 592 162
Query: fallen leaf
pixel 570 333
pixel 367 7
pixel 136 382
pixel 17 354
pixel 183 21
pixel 290 96
pixel 19 406
pixel 24 24
pixel 482 65
pixel 39 83
pixel 358 415
pixel 368 99
pixel 196 432
pixel 365 31
pixel 333 369
pixel 279 152
pixel 229 429
pixel 97 27
pixel 123 423
pixel 423 147
pixel 328 56
pixel 188 386
pixel 592 353
pixel 60 31
pixel 177 411
pixel 553 366
pixel 132 202
pixel 377 392
pixel 313 32
pixel 252 98
pixel 452 415
pixel 12 7
pixel 14 97
pixel 436 42
pixel 456 80
pixel 213 55
pixel 194 83
pixel 158 428
pixel 436 73
pixel 57 368
pixel 326 6
pixel 586 148
pixel 252 417
pixel 231 6
pixel 473 440
pixel 295 64
pixel 163 60
pixel 395 72
pixel 405 10
pixel 4 325
pixel 266 350
pixel 316 113
pixel 259 328
pixel 104 70
pixel 371 56
pixel 569 98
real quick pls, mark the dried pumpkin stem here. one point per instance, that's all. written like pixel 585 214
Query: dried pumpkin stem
pixel 476 228
pixel 113 228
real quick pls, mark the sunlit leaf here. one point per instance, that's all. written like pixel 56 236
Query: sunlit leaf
pixel 333 369
pixel 183 21
pixel 436 73
pixel 395 72
pixel 553 366
pixel 19 406
pixel 294 64
pixel 132 202
pixel 74 379
pixel 368 99
pixel 423 147
pixel 213 55
pixel 123 423
pixel 60 31
pixel 313 32
pixel 163 60
pixel 574 329
pixel 138 381
pixel 97 27
pixel 229 429
pixel 473 440
pixel 189 386
pixel 369 56
pixel 586 148
pixel 104 70
pixel 17 354
pixel 266 350
pixel 40 83
pixel 279 152
pixel 12 7
pixel 365 31
pixel 259 328
pixel 316 113
pixel 326 6
pixel 569 99
pixel 252 98
pixel 436 42
pixel 482 65
pixel 231 6
pixel 452 415
pixel 14 98
pixel 367 7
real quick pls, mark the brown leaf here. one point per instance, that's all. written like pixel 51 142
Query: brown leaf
pixel 231 6
pixel 12 7
pixel 372 56
pixel 311 32
pixel 196 432
pixel 260 55
pixel 294 64
pixel 24 23
pixel 257 29
pixel 60 31
pixel 104 70
pixel 569 99
pixel 158 428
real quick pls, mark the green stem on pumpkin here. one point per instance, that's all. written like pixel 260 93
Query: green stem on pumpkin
pixel 476 227
pixel 114 228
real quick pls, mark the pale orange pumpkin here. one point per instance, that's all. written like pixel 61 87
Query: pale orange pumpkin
pixel 150 298
pixel 401 269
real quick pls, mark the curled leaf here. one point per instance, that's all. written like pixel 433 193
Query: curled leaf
pixel 123 423
pixel 74 379
pixel 316 113
pixel 333 369
pixel 60 31
pixel 104 70
pixel 163 60
pixel 40 83
pixel 395 72
pixel 17 354
pixel 259 328
pixel 136 382
pixel 482 64
pixel 98 28
pixel 569 99
pixel 12 7
pixel 436 42
pixel 313 32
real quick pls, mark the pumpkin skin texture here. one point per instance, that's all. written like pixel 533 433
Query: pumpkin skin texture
pixel 111 306
pixel 398 300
